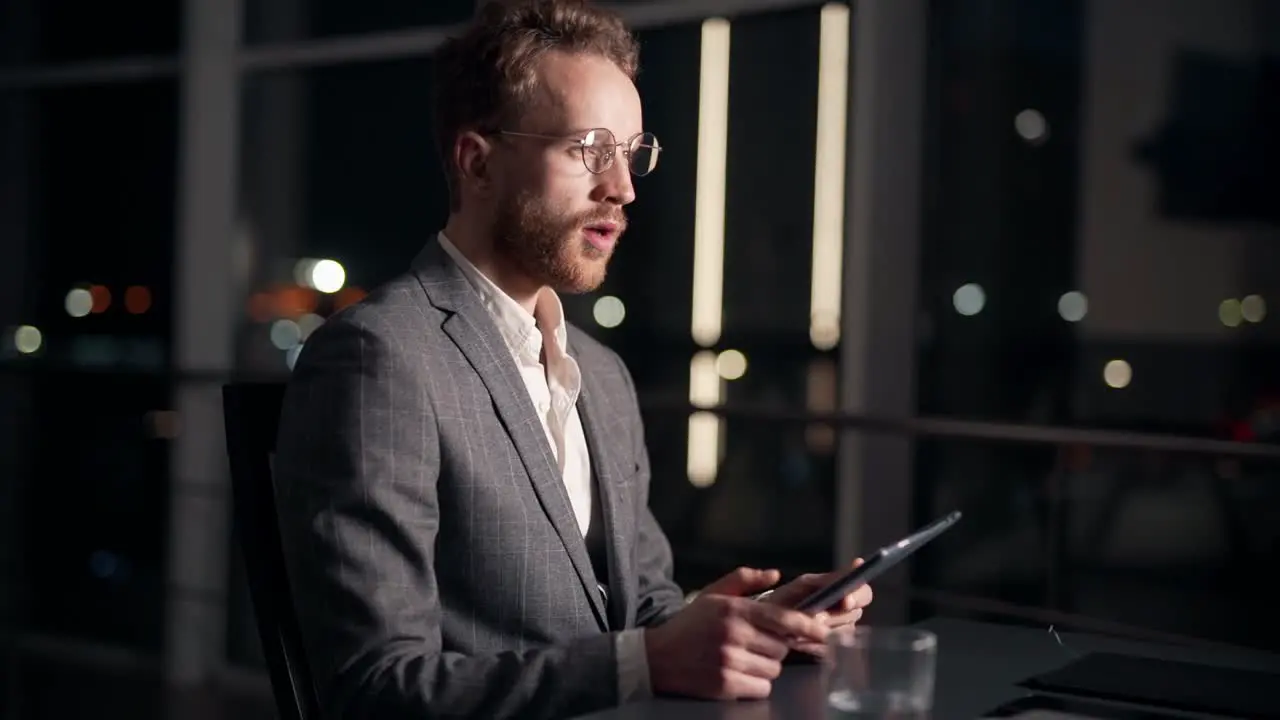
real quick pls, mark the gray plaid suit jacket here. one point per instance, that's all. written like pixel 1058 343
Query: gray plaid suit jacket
pixel 435 561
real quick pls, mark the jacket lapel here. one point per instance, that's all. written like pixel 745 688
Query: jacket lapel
pixel 603 431
pixel 474 332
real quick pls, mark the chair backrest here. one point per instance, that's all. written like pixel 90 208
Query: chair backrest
pixel 251 412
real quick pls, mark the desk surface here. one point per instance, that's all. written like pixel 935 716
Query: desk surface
pixel 979 665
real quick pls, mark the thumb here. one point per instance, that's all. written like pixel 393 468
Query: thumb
pixel 744 581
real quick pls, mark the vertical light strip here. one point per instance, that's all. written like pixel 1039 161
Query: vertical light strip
pixel 708 224
pixel 705 390
pixel 708 249
pixel 828 180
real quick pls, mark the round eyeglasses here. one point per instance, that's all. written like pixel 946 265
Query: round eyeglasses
pixel 599 147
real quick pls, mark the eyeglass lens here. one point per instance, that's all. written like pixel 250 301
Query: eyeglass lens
pixel 600 146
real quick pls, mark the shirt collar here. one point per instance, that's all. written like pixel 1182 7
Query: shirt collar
pixel 519 328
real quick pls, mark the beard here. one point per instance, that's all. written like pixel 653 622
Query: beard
pixel 549 246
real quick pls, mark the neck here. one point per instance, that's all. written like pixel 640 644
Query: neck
pixel 476 243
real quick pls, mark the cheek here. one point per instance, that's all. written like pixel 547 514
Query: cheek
pixel 570 185
pixel 518 179
pixel 545 202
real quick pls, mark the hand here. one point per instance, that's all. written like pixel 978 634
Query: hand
pixel 847 612
pixel 723 646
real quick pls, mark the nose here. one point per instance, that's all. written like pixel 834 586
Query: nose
pixel 614 185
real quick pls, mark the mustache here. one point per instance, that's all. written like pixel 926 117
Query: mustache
pixel 618 218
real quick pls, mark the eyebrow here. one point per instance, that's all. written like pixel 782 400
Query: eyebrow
pixel 575 134
pixel 621 137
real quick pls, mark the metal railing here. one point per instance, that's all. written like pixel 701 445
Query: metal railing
pixel 935 427
pixel 913 426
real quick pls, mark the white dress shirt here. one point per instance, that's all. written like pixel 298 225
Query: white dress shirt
pixel 554 386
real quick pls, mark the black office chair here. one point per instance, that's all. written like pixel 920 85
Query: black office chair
pixel 251 412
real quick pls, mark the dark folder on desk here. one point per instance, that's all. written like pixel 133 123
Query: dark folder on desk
pixel 1166 684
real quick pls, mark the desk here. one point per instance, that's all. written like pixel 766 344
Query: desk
pixel 979 665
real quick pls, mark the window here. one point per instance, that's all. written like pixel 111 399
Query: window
pixel 292 20
pixel 62 31
pixel 1083 265
pixel 93 237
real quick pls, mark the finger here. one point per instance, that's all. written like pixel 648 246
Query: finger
pixel 744 581
pixel 784 623
pixel 845 603
pixel 818 650
pixel 815 580
pixel 858 598
pixel 749 663
pixel 742 633
pixel 764 644
pixel 791 593
pixel 737 685
pixel 844 618
pixel 849 602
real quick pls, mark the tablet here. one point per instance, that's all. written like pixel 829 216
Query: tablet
pixel 880 561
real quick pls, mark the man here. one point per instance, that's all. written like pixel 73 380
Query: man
pixel 463 477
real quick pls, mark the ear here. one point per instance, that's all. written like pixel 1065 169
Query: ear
pixel 472 154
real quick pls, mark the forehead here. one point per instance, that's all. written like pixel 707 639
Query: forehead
pixel 578 92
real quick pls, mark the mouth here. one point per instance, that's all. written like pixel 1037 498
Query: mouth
pixel 602 235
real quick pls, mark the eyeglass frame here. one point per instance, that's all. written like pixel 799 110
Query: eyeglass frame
pixel 613 147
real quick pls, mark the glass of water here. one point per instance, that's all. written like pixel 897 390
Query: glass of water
pixel 880 672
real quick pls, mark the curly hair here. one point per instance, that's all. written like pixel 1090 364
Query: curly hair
pixel 486 77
